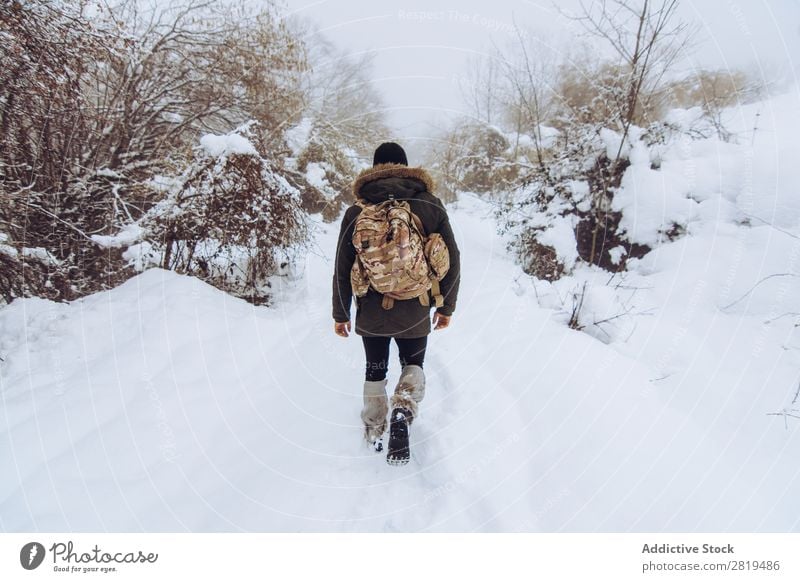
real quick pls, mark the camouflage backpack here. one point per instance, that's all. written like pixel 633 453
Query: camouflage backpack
pixel 394 256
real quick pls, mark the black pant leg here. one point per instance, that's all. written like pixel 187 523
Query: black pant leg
pixel 376 350
pixel 412 350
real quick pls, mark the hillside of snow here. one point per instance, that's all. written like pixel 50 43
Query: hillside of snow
pixel 166 405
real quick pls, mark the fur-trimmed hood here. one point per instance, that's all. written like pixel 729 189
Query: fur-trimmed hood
pixel 381 171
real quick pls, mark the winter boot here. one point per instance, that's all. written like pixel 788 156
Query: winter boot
pixel 374 412
pixel 410 390
pixel 398 451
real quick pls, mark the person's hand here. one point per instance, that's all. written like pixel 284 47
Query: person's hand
pixel 342 329
pixel 440 321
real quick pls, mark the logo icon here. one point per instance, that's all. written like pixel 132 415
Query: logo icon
pixel 31 555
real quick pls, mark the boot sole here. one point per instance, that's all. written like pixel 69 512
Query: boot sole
pixel 400 453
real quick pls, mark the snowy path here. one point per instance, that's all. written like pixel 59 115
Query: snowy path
pixel 166 405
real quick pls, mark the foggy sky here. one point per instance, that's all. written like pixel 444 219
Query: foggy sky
pixel 422 48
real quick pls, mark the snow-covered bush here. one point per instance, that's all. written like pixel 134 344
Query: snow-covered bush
pixel 230 219
pixel 473 157
pixel 49 179
pixel 96 99
pixel 342 123
pixel 572 198
pixel 590 90
pixel 28 271
pixel 322 168
pixel 582 207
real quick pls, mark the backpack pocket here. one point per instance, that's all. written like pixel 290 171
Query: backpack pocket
pixel 438 256
pixel 358 279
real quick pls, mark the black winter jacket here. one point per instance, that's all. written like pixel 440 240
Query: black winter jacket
pixel 408 318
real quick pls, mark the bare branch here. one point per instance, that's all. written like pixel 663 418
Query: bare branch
pixel 753 288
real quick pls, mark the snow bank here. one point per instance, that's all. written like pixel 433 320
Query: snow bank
pixel 684 119
pixel 768 132
pixel 560 235
pixel 651 201
pixel 702 180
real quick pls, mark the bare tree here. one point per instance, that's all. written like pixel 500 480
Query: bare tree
pixel 647 38
pixel 480 86
pixel 529 74
pixel 341 95
pixel 509 91
pixel 344 115
pixel 195 68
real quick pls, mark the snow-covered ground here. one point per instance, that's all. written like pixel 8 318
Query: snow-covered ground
pixel 166 405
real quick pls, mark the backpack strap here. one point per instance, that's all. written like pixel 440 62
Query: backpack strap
pixel 436 292
pixel 418 223
pixel 425 300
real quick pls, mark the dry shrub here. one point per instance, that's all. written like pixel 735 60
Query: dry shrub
pixel 232 223
pixel 592 92
pixel 536 259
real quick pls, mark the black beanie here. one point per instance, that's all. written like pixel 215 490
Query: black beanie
pixel 389 152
